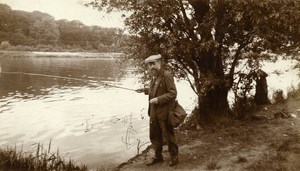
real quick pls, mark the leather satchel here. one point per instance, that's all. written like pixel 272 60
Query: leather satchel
pixel 177 114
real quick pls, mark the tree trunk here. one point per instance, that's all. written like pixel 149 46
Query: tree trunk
pixel 212 97
pixel 213 106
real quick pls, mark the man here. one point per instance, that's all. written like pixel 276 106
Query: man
pixel 162 93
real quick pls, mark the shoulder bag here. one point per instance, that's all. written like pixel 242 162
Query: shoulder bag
pixel 177 114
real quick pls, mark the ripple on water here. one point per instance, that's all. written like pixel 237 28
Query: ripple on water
pixel 4 109
pixel 76 98
pixel 7 139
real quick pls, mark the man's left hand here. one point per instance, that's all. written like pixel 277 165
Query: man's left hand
pixel 154 101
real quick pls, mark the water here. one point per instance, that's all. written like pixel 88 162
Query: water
pixel 65 98
pixel 89 121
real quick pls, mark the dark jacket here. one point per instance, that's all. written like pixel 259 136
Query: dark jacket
pixel 163 87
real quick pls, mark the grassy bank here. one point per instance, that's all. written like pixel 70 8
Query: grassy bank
pixel 266 142
pixel 39 159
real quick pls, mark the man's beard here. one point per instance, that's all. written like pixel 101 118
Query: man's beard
pixel 154 72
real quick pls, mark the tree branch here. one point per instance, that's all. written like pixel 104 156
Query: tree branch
pixel 187 22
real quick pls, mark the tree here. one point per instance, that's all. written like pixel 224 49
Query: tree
pixel 37 28
pixel 208 39
pixel 5 11
pixel 44 28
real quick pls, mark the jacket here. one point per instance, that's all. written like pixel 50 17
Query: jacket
pixel 163 87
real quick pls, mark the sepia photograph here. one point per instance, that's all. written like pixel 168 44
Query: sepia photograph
pixel 156 85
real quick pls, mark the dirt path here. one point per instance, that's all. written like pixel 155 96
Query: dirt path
pixel 267 144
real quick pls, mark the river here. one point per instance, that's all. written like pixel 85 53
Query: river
pixel 69 101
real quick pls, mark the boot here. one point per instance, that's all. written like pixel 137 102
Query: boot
pixel 155 160
pixel 173 161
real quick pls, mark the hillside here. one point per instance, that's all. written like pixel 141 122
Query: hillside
pixel 37 29
pixel 271 142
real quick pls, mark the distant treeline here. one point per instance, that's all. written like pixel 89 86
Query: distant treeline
pixel 37 30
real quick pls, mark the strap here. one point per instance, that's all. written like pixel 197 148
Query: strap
pixel 156 84
pixel 173 105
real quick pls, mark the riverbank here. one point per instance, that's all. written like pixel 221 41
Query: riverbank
pixel 270 142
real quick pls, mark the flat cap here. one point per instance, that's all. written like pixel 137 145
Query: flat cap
pixel 153 58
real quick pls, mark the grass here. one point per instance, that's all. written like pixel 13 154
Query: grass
pixel 212 164
pixel 268 162
pixel 40 159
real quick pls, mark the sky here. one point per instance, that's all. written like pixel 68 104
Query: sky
pixel 68 9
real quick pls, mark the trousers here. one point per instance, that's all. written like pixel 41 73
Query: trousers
pixel 160 130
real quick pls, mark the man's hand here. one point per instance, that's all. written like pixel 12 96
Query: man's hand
pixel 154 101
pixel 140 90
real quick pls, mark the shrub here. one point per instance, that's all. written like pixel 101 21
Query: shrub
pixel 20 48
pixel 4 45
pixel 243 108
pixel 294 93
pixel 278 97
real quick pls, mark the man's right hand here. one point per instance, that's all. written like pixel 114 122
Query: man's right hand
pixel 140 90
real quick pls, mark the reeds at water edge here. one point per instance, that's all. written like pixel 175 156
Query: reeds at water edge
pixel 40 158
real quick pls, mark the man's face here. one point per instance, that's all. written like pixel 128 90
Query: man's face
pixel 154 67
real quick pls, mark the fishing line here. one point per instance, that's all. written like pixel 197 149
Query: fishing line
pixel 45 75
pixel 62 77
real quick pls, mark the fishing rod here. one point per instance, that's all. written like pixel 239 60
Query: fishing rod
pixel 119 87
pixel 62 77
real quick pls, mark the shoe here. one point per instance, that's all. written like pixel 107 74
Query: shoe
pixel 173 161
pixel 154 161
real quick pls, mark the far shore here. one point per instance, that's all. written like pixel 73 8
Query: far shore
pixel 61 54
